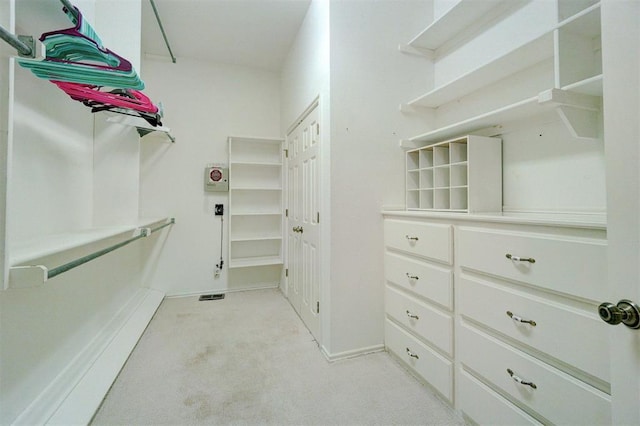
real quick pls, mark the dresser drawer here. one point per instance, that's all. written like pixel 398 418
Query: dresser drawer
pixel 434 326
pixel 566 334
pixel 432 282
pixel 432 367
pixel 485 407
pixel 571 266
pixel 420 239
pixel 558 397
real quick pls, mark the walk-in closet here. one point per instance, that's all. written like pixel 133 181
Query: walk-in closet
pixel 319 212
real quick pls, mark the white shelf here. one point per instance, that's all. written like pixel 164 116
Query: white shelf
pixel 249 239
pixel 459 17
pixel 256 213
pixel 518 59
pixel 256 261
pixel 256 188
pixel 141 125
pixel 256 163
pixel 23 252
pixel 491 123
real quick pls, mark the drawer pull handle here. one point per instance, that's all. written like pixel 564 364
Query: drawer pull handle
pixel 520 259
pixel 516 318
pixel 520 380
pixel 411 354
pixel 411 238
pixel 412 277
pixel 413 316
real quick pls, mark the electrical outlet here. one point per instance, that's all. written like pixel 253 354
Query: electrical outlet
pixel 219 209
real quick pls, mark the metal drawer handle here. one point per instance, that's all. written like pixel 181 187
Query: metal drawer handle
pixel 411 354
pixel 410 315
pixel 516 318
pixel 412 277
pixel 520 259
pixel 411 238
pixel 521 381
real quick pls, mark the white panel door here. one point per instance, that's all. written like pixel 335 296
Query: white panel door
pixel 303 221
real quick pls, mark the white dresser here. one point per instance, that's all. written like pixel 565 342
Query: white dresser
pixel 499 315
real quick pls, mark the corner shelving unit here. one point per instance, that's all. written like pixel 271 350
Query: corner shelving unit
pixel 255 207
pixel 575 46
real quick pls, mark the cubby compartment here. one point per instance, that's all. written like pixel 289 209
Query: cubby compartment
pixel 413 161
pixel 244 252
pixel 441 176
pixel 458 175
pixel 255 201
pixel 426 199
pixel 257 175
pixel 256 226
pixel 464 175
pixel 441 199
pixel 426 179
pixel 260 151
pixel 579 53
pixel 413 179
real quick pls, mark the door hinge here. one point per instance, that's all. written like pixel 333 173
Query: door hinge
pixel 317 217
pixel 317 128
pixel 317 307
pixel 286 272
pixel 286 153
pixel 286 212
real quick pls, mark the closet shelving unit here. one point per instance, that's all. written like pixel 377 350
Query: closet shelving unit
pixel 30 259
pixel 574 44
pixel 460 175
pixel 255 202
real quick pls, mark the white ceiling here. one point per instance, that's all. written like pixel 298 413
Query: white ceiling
pixel 255 33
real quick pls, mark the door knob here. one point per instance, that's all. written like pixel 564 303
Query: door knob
pixel 625 312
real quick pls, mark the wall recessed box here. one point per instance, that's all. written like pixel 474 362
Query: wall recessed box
pixel 216 178
pixel 458 175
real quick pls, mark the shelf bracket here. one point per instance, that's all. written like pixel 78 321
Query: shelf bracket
pixel 579 112
pixel 27 276
pixel 416 51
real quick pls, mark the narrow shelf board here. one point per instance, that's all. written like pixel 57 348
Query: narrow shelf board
pixel 570 220
pixel 255 188
pixel 518 59
pixel 254 213
pixel 256 163
pixel 250 239
pixel 491 123
pixel 255 261
pixel 589 86
pixel 38 247
pixel 136 122
pixel 463 14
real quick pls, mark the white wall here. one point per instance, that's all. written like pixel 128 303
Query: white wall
pixel 51 186
pixel 6 21
pixel 369 79
pixel 205 103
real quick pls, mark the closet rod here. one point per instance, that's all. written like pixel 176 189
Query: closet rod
pixel 74 263
pixel 164 35
pixel 16 43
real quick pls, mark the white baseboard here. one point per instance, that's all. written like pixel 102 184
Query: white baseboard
pixel 77 392
pixel 352 353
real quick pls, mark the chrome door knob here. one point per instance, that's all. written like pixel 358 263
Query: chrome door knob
pixel 625 312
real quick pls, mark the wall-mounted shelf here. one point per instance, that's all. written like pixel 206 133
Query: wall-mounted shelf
pixel 141 126
pixel 575 46
pixel 461 16
pixel 31 260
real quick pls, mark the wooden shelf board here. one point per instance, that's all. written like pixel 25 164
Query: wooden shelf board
pixel 463 14
pixel 518 59
pixel 20 253
pixel 255 261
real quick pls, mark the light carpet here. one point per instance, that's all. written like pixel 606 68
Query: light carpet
pixel 248 360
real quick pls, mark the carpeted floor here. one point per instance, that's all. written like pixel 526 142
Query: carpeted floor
pixel 248 359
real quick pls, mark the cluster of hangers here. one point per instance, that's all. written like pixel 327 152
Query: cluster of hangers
pixel 78 63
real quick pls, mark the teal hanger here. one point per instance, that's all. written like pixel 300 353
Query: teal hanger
pixel 77 55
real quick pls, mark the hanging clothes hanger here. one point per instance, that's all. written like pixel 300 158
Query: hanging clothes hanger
pixel 77 55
